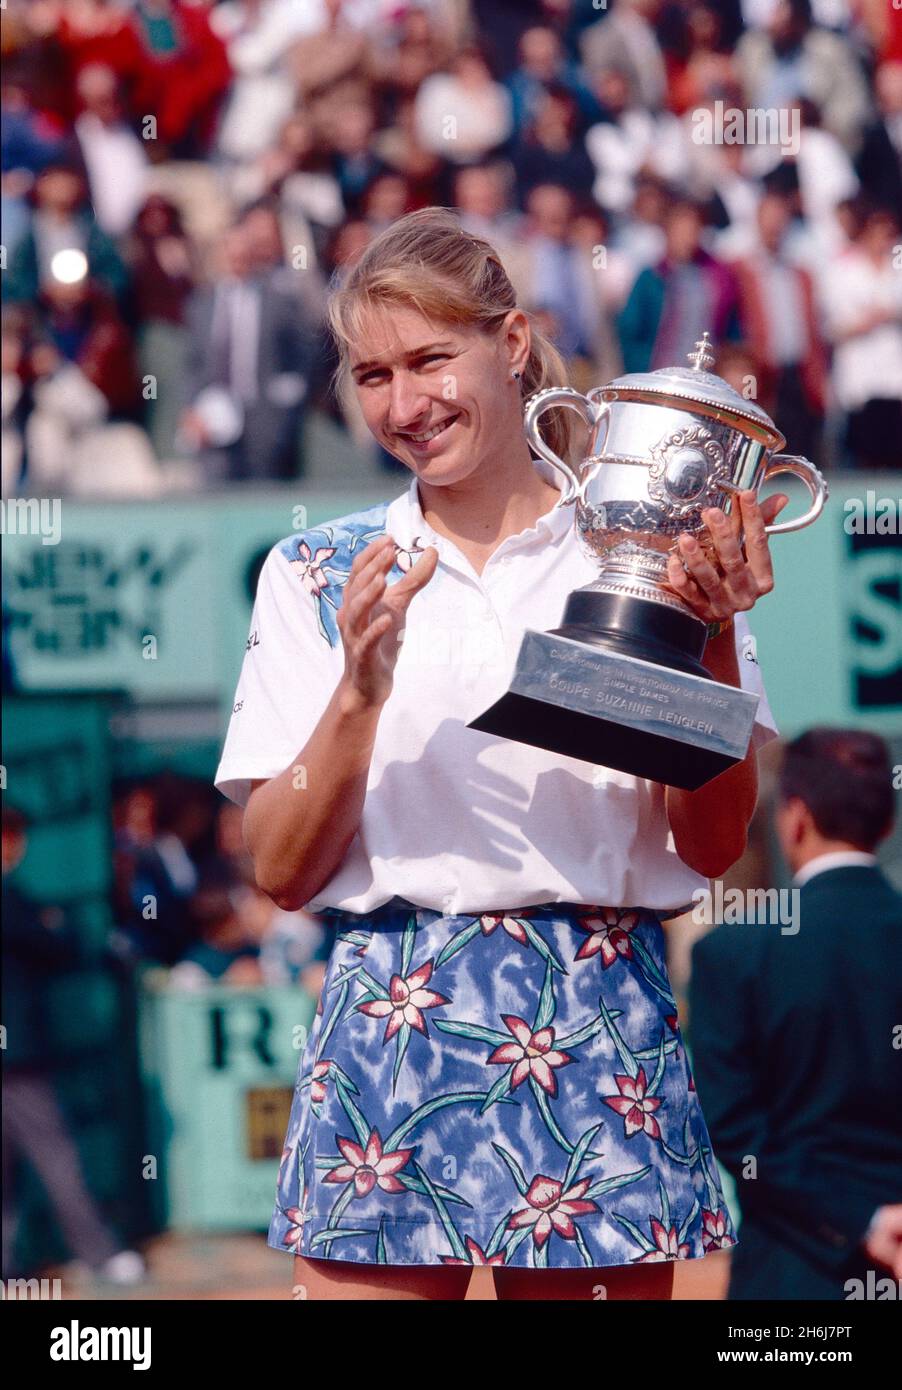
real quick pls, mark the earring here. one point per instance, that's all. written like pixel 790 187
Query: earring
pixel 516 375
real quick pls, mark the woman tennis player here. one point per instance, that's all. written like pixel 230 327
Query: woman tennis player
pixel 495 1074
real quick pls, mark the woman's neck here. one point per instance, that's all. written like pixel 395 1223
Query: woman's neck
pixel 482 511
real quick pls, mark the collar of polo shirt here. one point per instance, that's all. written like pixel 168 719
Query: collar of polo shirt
pixel 406 523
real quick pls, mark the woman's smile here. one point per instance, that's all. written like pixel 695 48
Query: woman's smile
pixel 429 441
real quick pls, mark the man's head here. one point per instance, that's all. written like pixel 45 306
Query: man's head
pixel 98 91
pixel 59 191
pixel 557 115
pixel 482 190
pixel 774 215
pixel 550 208
pixel 651 201
pixel 613 88
pixel 789 23
pixel 878 234
pixel 263 236
pixel 540 53
pixel 352 128
pixel 685 222
pixel 214 909
pixel 835 793
pixel 386 197
pixel 589 225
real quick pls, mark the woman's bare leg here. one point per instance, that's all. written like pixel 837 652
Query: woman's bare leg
pixel 343 1279
pixel 651 1281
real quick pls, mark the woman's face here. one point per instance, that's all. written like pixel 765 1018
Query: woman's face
pixel 414 376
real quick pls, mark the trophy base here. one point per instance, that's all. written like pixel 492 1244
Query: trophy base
pixel 628 697
pixel 664 631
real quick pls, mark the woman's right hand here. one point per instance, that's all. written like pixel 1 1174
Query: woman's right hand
pixel 373 614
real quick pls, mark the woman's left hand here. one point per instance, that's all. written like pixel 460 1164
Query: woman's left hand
pixel 742 574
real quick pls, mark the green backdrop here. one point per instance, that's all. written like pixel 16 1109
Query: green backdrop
pixel 184 571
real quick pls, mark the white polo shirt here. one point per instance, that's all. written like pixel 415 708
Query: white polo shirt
pixel 454 819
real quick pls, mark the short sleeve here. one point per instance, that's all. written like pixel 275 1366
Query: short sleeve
pixel 288 676
pixel 765 727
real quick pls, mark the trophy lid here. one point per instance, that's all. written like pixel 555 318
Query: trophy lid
pixel 696 385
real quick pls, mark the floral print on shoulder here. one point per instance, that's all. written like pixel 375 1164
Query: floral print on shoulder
pixel 321 558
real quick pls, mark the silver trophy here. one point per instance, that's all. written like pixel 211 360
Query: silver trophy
pixel 620 682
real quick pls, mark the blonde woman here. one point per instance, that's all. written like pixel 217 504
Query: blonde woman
pixel 495 1075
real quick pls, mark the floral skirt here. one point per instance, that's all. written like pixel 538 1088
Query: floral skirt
pixel 503 1089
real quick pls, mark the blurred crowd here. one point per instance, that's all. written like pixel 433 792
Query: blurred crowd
pixel 185 902
pixel 185 895
pixel 183 182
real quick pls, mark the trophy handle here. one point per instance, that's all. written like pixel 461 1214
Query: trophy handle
pixel 536 407
pixel 813 479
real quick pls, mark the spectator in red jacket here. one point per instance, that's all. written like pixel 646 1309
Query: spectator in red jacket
pixel 183 73
pixel 167 58
pixel 74 34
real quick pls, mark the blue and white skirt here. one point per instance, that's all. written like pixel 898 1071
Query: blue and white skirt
pixel 503 1089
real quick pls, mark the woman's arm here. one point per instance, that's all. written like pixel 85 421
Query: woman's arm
pixel 298 828
pixel 298 825
pixel 710 825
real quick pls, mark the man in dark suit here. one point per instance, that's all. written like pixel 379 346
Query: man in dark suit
pixel 796 1039
pixel 251 357
pixel 879 163
pixel 38 943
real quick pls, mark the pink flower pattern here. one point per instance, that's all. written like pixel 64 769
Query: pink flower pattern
pixel 635 1105
pixel 549 1209
pixel 608 935
pixel 532 1054
pixel 408 999
pixel 308 567
pixel 369 1167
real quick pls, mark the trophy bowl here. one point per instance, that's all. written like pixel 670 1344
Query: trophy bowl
pixel 662 447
